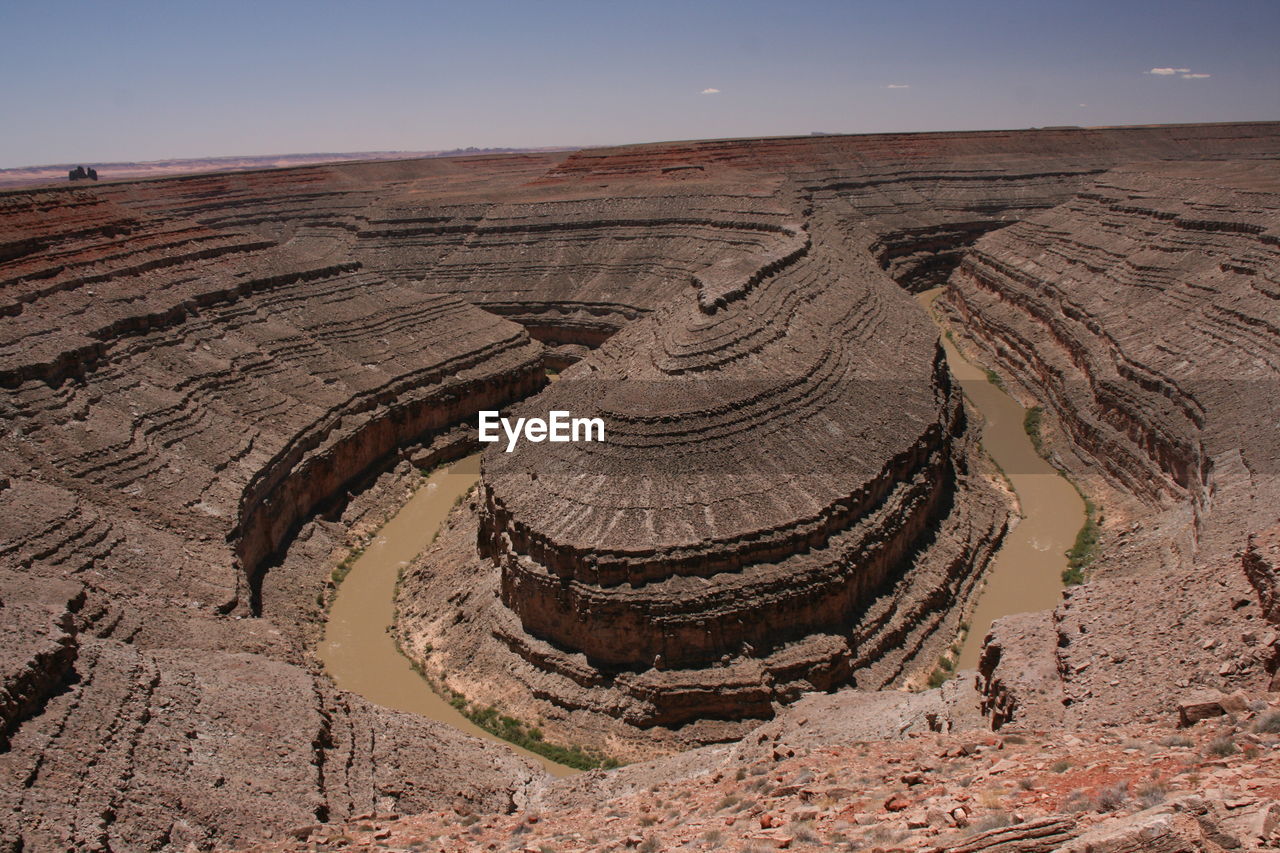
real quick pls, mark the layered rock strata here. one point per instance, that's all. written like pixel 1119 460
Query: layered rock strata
pixel 575 271
pixel 213 402
pixel 572 267
pixel 917 201
pixel 617 597
pixel 165 748
pixel 576 245
pixel 192 370
pixel 783 503
pixel 1143 315
pixel 37 622
pixel 177 401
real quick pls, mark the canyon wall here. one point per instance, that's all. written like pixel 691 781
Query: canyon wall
pixel 177 400
pixel 783 503
pixel 192 370
pixel 1144 315
pixel 651 580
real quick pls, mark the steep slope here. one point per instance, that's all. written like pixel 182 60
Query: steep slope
pixel 1145 315
pixel 782 503
pixel 177 400
pixel 200 376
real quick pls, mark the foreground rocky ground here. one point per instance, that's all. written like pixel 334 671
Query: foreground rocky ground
pixel 1210 786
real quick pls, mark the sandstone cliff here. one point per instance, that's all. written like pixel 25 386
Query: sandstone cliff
pixel 195 370
pixel 1143 315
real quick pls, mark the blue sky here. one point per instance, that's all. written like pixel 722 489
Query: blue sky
pixel 99 82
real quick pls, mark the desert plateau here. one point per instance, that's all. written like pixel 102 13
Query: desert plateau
pixel 934 504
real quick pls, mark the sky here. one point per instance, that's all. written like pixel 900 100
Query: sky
pixel 97 82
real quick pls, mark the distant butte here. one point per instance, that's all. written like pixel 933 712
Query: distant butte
pixel 213 385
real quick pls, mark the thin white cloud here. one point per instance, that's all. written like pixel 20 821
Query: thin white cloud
pixel 898 86
pixel 1082 105
pixel 1184 73
pixel 710 92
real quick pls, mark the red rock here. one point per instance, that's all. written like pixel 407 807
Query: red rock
pixel 1201 705
pixel 897 803
pixel 247 324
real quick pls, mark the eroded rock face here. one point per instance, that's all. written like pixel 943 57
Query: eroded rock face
pixel 699 565
pixel 165 748
pixel 192 369
pixel 1143 314
pixel 1262 566
pixel 214 397
pixel 1018 672
pixel 177 400
pixel 774 456
pixel 783 503
pixel 706 473
pixel 37 624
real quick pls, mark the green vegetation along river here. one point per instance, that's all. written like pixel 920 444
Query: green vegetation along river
pixel 1027 572
pixel 358 650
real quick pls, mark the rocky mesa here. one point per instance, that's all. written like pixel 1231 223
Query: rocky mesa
pixel 212 384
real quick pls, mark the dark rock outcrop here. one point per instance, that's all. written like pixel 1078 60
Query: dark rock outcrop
pixel 37 624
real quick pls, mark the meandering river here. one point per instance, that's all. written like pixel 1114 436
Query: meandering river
pixel 361 655
pixel 1026 574
pixel 358 649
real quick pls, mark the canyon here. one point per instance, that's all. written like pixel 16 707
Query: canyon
pixel 217 387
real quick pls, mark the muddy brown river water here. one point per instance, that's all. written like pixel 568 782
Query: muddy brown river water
pixel 1026 574
pixel 358 650
pixel 361 655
